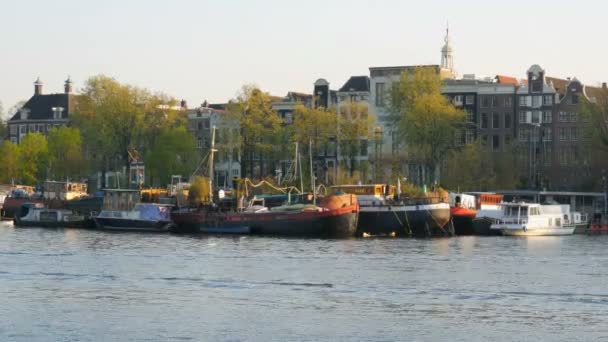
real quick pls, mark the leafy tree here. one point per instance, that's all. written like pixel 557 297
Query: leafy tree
pixel 355 125
pixel 424 118
pixel 33 158
pixel 65 153
pixel 174 152
pixel 260 130
pixel 199 191
pixel 9 161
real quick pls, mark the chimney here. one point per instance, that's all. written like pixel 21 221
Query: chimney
pixel 68 86
pixel 38 86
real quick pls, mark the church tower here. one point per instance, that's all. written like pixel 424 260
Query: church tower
pixel 447 53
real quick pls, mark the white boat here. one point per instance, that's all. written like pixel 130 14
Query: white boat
pixel 532 219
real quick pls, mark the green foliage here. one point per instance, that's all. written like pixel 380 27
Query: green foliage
pixel 424 118
pixel 174 152
pixel 33 158
pixel 261 127
pixel 9 162
pixel 65 154
pixel 199 191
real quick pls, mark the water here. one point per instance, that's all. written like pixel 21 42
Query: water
pixel 78 285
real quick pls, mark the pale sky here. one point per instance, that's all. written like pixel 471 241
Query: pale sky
pixel 200 49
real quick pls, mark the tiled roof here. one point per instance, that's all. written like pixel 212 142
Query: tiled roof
pixel 507 80
pixel 356 83
pixel 41 106
pixel 559 84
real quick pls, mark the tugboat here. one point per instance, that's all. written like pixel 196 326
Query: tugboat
pixel 384 214
pixel 463 211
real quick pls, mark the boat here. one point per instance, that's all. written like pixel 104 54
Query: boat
pixel 37 215
pixel 18 196
pixel 533 219
pixel 581 223
pixel 462 210
pixel 489 211
pixel 122 210
pixel 335 217
pixel 383 214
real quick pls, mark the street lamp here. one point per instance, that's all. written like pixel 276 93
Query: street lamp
pixel 378 131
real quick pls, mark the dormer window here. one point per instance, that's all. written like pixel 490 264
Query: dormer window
pixel 24 113
pixel 57 112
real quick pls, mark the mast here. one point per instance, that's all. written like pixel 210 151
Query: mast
pixel 213 150
pixel 312 174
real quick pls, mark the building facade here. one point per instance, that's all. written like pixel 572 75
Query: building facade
pixel 42 112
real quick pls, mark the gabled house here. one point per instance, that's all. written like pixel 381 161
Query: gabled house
pixel 42 112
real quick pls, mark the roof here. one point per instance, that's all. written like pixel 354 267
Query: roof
pixel 559 84
pixel 502 79
pixel 356 83
pixel 41 106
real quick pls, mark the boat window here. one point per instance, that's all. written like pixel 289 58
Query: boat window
pixel 558 222
pixel 524 211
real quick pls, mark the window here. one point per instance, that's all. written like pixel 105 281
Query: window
pixel 457 100
pixel 563 117
pixel 508 102
pixel 206 123
pixel 470 99
pixel 537 101
pixel 199 142
pixel 525 101
pixel 547 116
pixel 494 101
pixel 288 117
pixel 563 156
pixel 522 117
pixel 470 115
pixel 200 125
pixel 13 129
pixel 507 120
pixel 537 86
pixel 548 100
pixel 563 133
pixel 32 128
pixel 548 156
pixel 485 101
pixel 469 137
pixel 484 140
pixel 496 143
pixel 235 172
pixel 507 140
pixel 495 120
pixel 22 129
pixel 363 143
pixel 547 134
pixel 574 99
pixel 524 134
pixel 535 117
pixel 573 116
pixel 380 94
pixel 573 133
pixel 484 120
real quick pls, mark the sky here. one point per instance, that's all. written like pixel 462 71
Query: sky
pixel 206 50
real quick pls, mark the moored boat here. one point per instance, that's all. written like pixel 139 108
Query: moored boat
pixel 381 214
pixel 122 211
pixel 37 215
pixel 489 211
pixel 335 217
pixel 462 212
pixel 532 219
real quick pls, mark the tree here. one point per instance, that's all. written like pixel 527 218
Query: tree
pixel 355 126
pixel 9 162
pixel 199 191
pixel 424 119
pixel 65 153
pixel 260 130
pixel 593 142
pixel 114 118
pixel 174 152
pixel 33 158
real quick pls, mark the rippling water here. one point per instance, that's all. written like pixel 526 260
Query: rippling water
pixel 79 285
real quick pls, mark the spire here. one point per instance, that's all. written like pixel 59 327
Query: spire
pixel 38 86
pixel 68 85
pixel 447 52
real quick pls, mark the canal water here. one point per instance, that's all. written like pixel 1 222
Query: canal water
pixel 79 285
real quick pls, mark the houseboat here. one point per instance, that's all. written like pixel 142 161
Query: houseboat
pixel 334 217
pixel 489 210
pixel 532 219
pixel 37 215
pixel 122 210
pixel 382 213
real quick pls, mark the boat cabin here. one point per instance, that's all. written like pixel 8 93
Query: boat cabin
pixel 370 194
pixel 120 199
pixel 536 214
pixel 65 191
